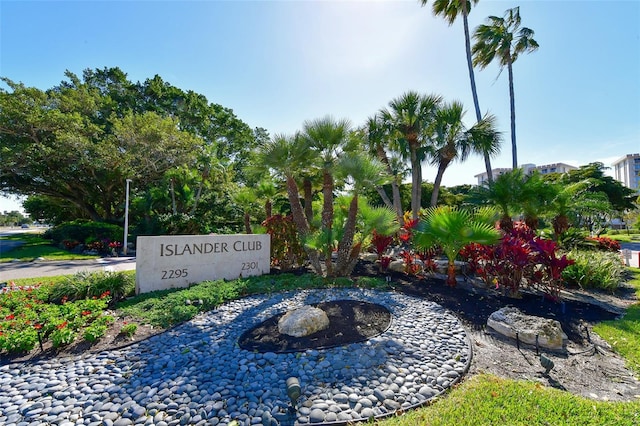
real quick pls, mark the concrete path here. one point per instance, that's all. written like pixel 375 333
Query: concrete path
pixel 15 270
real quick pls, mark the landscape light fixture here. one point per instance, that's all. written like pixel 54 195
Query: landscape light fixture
pixel 293 390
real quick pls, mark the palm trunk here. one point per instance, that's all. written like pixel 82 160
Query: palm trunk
pixel 451 273
pixel 472 79
pixel 327 217
pixel 385 198
pixel 436 184
pixel 416 182
pixel 395 188
pixel 346 242
pixel 268 207
pixel 247 223
pixel 301 221
pixel 307 189
pixel 173 199
pixel 514 150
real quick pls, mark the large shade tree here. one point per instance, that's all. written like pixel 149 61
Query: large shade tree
pixel 78 142
pixel 450 10
pixel 503 39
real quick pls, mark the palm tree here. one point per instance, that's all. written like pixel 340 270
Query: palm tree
pixel 504 193
pixel 450 10
pixel 284 155
pixel 377 140
pixel 451 229
pixel 329 139
pixel 410 117
pixel 245 198
pixel 452 140
pixel 505 39
pixel 361 171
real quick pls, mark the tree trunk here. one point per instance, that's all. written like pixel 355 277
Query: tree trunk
pixel 395 188
pixel 472 79
pixel 514 149
pixel 300 220
pixel 327 217
pixel 416 183
pixel 346 242
pixel 174 209
pixel 385 198
pixel 307 190
pixel 436 184
pixel 451 274
pixel 247 223
pixel 268 209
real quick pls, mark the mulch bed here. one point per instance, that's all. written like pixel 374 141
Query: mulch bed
pixel 350 321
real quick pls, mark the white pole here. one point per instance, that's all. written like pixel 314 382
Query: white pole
pixel 126 219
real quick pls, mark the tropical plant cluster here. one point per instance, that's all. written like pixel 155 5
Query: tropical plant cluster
pixel 87 236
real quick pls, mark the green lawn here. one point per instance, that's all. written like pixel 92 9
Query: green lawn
pixel 624 334
pixel 35 247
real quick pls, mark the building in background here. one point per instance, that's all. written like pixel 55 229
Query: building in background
pixel 528 169
pixel 627 171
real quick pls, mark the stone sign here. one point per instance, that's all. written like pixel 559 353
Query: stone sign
pixel 177 261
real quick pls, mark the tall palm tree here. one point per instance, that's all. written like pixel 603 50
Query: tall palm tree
pixel 505 39
pixel 329 139
pixel 452 140
pixel 378 140
pixel 450 10
pixel 410 117
pixel 284 155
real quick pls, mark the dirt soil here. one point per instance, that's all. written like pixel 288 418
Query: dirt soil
pixel 587 367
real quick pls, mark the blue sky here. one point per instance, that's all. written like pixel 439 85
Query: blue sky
pixel 279 63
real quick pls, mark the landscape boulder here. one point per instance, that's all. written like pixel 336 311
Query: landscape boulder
pixel 303 321
pixel 509 320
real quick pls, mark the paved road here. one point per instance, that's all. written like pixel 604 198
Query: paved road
pixel 15 270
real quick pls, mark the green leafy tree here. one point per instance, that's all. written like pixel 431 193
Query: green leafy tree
pixel 505 40
pixel 79 141
pixel 410 117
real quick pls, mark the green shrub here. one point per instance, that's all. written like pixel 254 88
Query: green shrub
pixel 594 269
pixel 129 330
pixel 83 285
pixel 85 232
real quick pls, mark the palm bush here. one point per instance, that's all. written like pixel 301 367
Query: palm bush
pixel 451 229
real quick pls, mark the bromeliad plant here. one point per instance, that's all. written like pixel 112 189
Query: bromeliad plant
pixel 451 228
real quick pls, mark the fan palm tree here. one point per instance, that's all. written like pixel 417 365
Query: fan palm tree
pixel 284 155
pixel 410 117
pixel 504 39
pixel 246 199
pixel 451 229
pixel 504 193
pixel 361 171
pixel 328 139
pixel 377 140
pixel 450 10
pixel 452 140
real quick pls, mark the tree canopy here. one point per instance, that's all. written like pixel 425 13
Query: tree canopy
pixel 79 141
